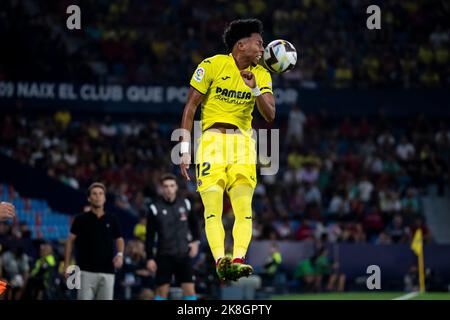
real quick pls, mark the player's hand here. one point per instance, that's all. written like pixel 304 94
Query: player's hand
pixel 249 78
pixel 193 249
pixel 151 266
pixel 7 210
pixel 184 165
pixel 66 274
pixel 118 261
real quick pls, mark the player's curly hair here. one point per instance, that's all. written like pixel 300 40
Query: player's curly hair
pixel 239 29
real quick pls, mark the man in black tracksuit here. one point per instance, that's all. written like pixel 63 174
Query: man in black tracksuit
pixel 172 221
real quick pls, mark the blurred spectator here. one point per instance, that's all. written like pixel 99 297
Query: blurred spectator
pixel 140 229
pixel 365 188
pixel 272 265
pixel 304 231
pixel 410 203
pixel 295 126
pixel 312 194
pixel 373 223
pixel 355 233
pixel 339 205
pixel 383 239
pixel 386 139
pixel 63 118
pixel 284 229
pixel 322 267
pixel 16 267
pixel 41 282
pixel 309 173
pixel 418 224
pixel 397 230
pixel 405 150
pixel 336 280
pixel 390 202
pixel 411 279
pixel 304 272
pixel 134 276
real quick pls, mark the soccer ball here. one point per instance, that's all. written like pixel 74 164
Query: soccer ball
pixel 280 56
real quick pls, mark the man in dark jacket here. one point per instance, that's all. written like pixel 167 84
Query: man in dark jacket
pixel 172 221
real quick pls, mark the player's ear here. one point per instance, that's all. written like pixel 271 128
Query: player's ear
pixel 241 44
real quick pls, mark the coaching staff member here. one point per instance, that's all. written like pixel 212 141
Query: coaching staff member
pixel 94 234
pixel 172 221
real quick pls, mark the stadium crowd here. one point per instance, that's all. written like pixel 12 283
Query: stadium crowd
pixel 341 179
pixel 348 180
pixel 125 41
pixel 356 179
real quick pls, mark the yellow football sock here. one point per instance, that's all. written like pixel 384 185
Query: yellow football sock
pixel 241 201
pixel 212 199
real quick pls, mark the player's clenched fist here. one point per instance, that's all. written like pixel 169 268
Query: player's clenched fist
pixel 7 210
pixel 249 78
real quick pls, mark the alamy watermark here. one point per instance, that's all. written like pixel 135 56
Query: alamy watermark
pixel 74 20
pixel 373 282
pixel 73 281
pixel 374 20
pixel 237 147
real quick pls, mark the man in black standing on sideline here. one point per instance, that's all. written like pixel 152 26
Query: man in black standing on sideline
pixel 95 233
pixel 171 219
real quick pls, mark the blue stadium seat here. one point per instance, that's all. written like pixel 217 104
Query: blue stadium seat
pixel 53 225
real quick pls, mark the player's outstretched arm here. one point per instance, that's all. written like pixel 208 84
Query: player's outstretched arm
pixel 194 99
pixel 265 102
pixel 266 106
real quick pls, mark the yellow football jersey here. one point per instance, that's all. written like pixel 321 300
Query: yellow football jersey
pixel 227 98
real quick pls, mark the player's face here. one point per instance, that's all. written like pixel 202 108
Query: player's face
pixel 169 189
pixel 254 47
pixel 97 198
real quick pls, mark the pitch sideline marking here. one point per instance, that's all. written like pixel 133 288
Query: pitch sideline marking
pixel 407 296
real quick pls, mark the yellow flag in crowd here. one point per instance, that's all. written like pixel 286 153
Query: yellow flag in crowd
pixel 417 247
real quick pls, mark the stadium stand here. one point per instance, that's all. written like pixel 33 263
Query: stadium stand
pixel 349 178
pixel 37 216
pixel 353 177
pixel 121 41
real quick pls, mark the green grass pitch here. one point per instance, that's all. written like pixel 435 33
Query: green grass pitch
pixel 363 296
